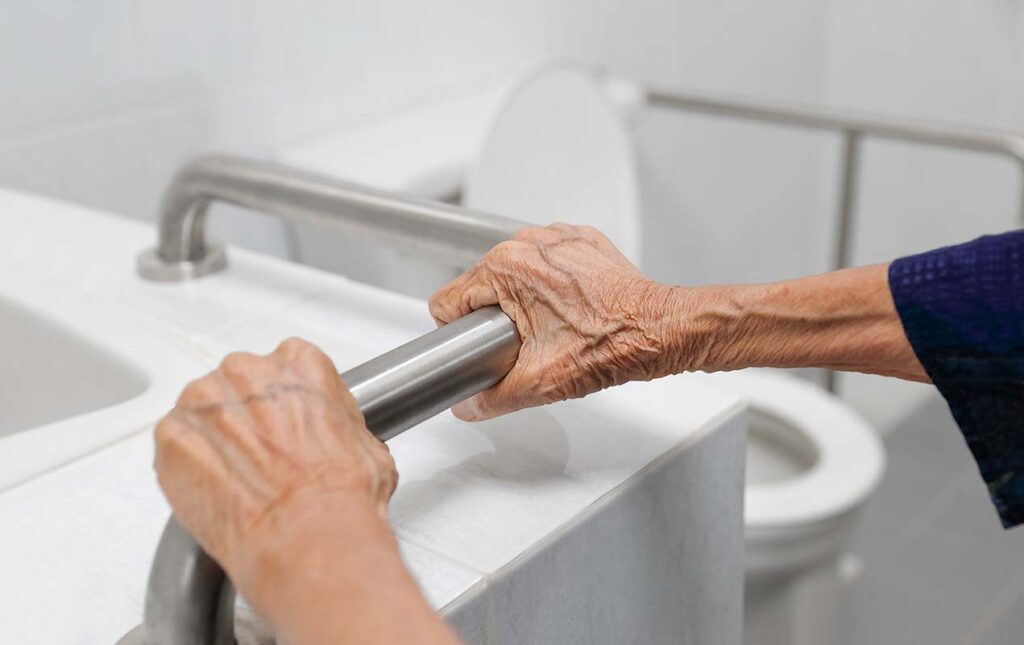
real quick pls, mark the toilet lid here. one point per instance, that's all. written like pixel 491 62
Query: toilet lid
pixel 850 457
pixel 559 149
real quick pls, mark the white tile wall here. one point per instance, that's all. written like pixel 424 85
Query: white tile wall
pixel 102 102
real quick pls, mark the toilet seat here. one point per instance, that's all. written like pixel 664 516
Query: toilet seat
pixel 560 149
pixel 849 462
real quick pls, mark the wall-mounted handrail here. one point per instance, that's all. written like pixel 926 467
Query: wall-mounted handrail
pixel 188 598
pixel 854 129
pixel 453 234
pixel 884 127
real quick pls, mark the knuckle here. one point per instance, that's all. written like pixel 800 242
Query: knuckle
pixel 165 433
pixel 315 356
pixel 509 252
pixel 291 346
pixel 438 306
pixel 502 250
pixel 198 391
pixel 527 234
pixel 237 363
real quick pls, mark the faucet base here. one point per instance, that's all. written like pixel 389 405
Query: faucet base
pixel 152 267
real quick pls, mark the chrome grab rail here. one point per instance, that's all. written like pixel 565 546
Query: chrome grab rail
pixel 188 597
pixel 450 233
pixel 853 128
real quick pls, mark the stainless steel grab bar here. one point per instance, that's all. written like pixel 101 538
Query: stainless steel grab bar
pixel 188 598
pixel 450 233
pixel 854 129
pixel 190 601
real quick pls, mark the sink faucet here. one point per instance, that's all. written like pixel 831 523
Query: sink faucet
pixel 454 234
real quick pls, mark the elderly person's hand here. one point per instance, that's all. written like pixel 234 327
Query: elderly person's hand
pixel 589 320
pixel 587 317
pixel 268 463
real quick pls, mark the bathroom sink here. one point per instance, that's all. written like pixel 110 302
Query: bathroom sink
pixel 50 373
pixel 77 373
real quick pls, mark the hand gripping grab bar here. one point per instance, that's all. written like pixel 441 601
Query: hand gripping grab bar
pixel 189 600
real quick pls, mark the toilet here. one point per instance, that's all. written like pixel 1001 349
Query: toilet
pixel 560 147
pixel 812 462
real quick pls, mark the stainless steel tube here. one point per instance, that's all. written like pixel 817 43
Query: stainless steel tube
pixel 1003 143
pixel 188 598
pixel 412 383
pixel 431 228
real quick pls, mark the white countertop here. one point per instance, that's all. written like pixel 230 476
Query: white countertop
pixel 77 537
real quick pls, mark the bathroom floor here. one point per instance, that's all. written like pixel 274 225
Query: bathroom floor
pixel 938 568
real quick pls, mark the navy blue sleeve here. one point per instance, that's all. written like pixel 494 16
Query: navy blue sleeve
pixel 962 308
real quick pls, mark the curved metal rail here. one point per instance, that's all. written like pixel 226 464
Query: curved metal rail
pixel 188 597
pixel 854 129
pixel 189 600
pixel 447 232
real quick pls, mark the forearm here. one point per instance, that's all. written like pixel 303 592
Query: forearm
pixel 844 320
pixel 338 578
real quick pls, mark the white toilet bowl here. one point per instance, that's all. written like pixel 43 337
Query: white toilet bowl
pixel 561 149
pixel 812 462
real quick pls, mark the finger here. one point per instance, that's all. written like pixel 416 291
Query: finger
pixel 565 228
pixel 240 375
pixel 201 392
pixel 501 398
pixel 467 293
pixel 550 234
pixel 187 471
pixel 244 449
pixel 312 366
pixel 469 410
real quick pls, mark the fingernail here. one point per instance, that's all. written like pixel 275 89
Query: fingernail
pixel 465 412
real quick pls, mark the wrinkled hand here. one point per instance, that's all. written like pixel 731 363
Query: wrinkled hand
pixel 587 317
pixel 265 446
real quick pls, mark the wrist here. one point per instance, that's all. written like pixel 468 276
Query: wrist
pixel 310 540
pixel 339 577
pixel 697 328
pixel 669 330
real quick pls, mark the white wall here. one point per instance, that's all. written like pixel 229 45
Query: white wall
pixel 103 100
pixel 954 61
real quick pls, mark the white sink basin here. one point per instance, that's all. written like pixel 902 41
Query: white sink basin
pixel 77 372
pixel 49 372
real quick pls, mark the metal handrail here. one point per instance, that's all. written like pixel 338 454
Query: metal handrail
pixel 455 235
pixel 188 597
pixel 854 128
